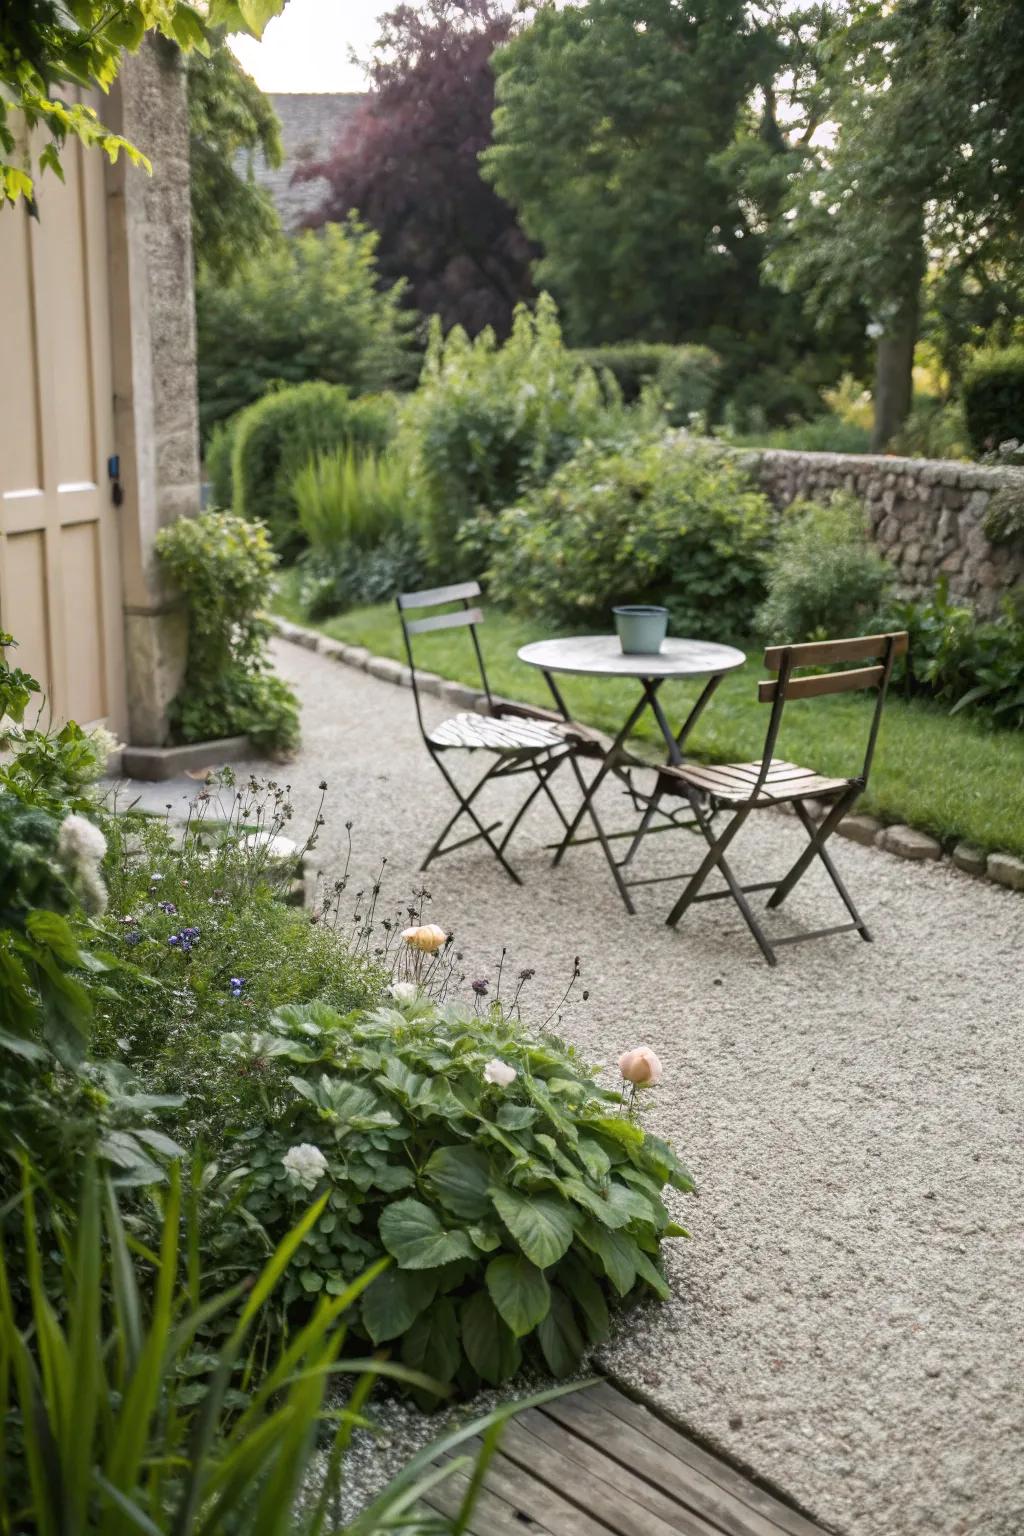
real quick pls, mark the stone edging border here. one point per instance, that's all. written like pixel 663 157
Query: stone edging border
pixel 905 842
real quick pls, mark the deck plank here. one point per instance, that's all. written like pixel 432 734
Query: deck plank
pixel 598 1463
pixel 632 1505
pixel 679 1444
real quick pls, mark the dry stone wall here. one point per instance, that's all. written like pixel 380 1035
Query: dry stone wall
pixel 926 515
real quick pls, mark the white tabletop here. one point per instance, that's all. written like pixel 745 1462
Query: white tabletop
pixel 602 656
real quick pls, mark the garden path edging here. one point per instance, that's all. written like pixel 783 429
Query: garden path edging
pixel 904 842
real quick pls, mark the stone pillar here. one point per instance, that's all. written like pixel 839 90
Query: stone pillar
pixel 156 413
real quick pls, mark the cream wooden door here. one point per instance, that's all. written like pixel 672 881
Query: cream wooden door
pixel 60 586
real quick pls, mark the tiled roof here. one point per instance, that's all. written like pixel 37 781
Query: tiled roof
pixel 311 125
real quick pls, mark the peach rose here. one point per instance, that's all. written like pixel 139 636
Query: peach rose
pixel 429 939
pixel 641 1067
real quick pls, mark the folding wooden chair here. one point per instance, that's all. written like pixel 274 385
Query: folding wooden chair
pixel 746 787
pixel 522 740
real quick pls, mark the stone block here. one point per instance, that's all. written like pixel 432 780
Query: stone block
pixel 1006 870
pixel 456 696
pixel 356 656
pixel 335 649
pixel 908 843
pixel 860 829
pixel 969 858
pixel 429 682
pixel 949 525
pixel 387 670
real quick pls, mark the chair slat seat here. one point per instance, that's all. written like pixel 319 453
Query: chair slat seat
pixel 734 783
pixel 508 734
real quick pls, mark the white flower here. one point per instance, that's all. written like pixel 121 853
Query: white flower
pixel 404 991
pixel 305 1163
pixel 80 848
pixel 874 329
pixel 499 1072
pixel 80 841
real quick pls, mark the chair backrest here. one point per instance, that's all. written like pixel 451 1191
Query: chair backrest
pixel 464 617
pixel 786 660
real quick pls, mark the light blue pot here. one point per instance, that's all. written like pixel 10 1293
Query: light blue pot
pixel 641 627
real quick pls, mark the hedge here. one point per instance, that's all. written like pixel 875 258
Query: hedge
pixel 278 435
pixel 993 393
pixel 686 376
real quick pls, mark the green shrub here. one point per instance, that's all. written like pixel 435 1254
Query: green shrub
pixel 993 395
pixel 218 461
pixel 352 498
pixel 489 422
pixel 1004 515
pixel 935 429
pixel 770 397
pixel 964 663
pixel 825 579
pixel 685 377
pixel 277 436
pixel 224 567
pixel 657 522
pixel 513 1214
pixel 825 434
pixel 311 307
pixel 364 542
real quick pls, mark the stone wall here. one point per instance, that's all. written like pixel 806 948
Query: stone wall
pixel 926 515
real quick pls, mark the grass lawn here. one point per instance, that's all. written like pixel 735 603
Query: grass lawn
pixel 951 777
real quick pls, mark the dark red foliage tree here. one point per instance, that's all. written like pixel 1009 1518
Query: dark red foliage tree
pixel 408 161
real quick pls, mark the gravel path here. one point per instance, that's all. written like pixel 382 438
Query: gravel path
pixel 848 1319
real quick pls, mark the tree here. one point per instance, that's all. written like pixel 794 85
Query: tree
pixel 46 46
pixel 228 114
pixel 923 175
pixel 409 163
pixel 610 116
pixel 308 308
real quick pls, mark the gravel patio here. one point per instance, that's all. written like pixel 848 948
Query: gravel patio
pixel 848 1321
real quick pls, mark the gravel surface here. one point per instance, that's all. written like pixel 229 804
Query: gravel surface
pixel 848 1320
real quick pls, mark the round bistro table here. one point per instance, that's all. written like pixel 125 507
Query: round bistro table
pixel 603 656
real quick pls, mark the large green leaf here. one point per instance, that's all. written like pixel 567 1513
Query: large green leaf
pixel 559 1337
pixel 462 1178
pixel 393 1302
pixel 519 1291
pixel 516 1117
pixel 542 1225
pixel 617 1252
pixel 491 1348
pixel 617 1208
pixel 586 1292
pixel 412 1234
pixel 432 1343
pixel 647 1270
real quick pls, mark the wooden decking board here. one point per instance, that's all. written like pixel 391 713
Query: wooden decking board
pixel 628 1505
pixel 597 1463
pixel 788 1519
pixel 622 1442
pixel 491 1516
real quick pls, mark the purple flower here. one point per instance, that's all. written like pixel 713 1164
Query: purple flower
pixel 168 907
pixel 236 984
pixel 133 937
pixel 481 987
pixel 184 940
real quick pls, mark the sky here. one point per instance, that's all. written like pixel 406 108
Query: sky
pixel 307 47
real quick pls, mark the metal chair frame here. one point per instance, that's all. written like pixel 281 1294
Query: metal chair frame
pixel 538 761
pixel 785 661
